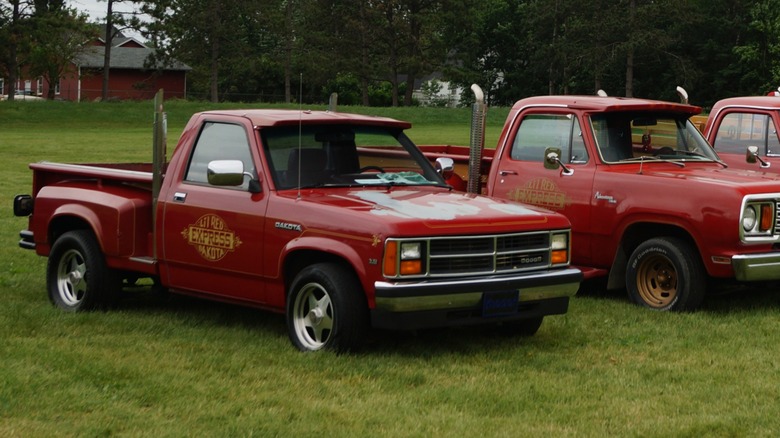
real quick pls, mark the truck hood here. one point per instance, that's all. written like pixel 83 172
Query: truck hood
pixel 421 211
pixel 745 181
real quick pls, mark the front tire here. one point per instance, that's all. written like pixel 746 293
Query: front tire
pixel 77 276
pixel 327 309
pixel 666 273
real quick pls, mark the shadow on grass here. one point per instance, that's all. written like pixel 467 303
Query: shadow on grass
pixel 195 311
pixel 191 311
pixel 722 296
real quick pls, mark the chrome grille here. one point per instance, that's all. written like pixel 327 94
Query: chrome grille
pixel 491 254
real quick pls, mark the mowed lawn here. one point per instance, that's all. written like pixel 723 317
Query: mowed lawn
pixel 168 366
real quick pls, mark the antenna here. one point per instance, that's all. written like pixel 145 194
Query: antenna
pixel 300 129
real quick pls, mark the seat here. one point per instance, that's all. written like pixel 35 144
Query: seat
pixel 306 167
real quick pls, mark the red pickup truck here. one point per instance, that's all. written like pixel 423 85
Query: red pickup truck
pixel 744 131
pixel 297 212
pixel 653 209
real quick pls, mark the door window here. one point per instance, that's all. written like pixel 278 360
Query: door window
pixel 538 132
pixel 219 141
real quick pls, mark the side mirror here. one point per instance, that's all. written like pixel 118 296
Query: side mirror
pixel 552 160
pixel 751 156
pixel 230 173
pixel 445 167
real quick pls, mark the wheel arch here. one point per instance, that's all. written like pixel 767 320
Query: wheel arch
pixel 633 236
pixel 63 223
pixel 299 258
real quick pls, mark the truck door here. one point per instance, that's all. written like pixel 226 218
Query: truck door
pixel 521 174
pixel 213 235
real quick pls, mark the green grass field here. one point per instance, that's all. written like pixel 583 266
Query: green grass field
pixel 173 366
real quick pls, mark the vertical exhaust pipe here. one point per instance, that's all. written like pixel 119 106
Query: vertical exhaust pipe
pixel 477 143
pixel 158 158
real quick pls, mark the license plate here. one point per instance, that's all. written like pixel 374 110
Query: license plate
pixel 499 303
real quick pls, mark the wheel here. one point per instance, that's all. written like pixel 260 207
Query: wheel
pixel 666 274
pixel 326 309
pixel 77 276
pixel 367 168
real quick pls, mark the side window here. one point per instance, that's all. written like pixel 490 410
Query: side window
pixel 772 142
pixel 737 131
pixel 540 131
pixel 219 141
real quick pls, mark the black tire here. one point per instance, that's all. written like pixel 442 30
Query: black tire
pixel 666 273
pixel 77 277
pixel 327 309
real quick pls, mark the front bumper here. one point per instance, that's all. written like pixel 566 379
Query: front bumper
pixel 441 303
pixel 756 267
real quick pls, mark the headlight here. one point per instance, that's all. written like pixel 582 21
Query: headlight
pixel 758 219
pixel 403 258
pixel 559 246
pixel 749 218
pixel 410 250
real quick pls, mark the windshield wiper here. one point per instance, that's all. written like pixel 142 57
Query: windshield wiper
pixel 643 158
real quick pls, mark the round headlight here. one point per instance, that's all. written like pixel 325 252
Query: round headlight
pixel 749 218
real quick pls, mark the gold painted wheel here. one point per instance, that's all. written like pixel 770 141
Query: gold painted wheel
pixel 656 281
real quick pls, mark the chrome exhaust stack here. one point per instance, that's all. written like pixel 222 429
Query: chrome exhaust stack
pixel 477 143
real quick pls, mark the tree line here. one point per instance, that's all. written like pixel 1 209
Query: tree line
pixel 375 52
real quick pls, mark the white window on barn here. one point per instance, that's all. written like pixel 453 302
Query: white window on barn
pixel 39 87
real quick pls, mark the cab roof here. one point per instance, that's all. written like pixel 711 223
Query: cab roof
pixel 767 102
pixel 605 104
pixel 278 117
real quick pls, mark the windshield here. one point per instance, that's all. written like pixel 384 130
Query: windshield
pixel 344 155
pixel 627 137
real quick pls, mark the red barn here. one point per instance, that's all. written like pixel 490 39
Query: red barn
pixel 131 76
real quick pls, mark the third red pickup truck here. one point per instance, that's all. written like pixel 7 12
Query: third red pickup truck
pixel 744 131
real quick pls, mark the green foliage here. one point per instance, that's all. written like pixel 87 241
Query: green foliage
pixel 172 366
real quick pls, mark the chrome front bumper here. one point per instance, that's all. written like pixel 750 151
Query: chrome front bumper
pixel 756 267
pixel 467 292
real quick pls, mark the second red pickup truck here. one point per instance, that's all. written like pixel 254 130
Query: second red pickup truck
pixel 299 212
pixel 653 208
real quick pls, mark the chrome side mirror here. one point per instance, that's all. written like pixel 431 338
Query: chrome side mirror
pixel 751 156
pixel 552 160
pixel 445 167
pixel 230 173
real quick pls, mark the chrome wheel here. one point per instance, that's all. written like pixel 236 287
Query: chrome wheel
pixel 313 316
pixel 71 280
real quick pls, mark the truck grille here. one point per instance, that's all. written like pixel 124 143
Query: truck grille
pixel 491 254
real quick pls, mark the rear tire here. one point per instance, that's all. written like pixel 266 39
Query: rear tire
pixel 666 273
pixel 327 309
pixel 77 276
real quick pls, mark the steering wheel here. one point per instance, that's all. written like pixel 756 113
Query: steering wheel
pixel 376 168
pixel 666 150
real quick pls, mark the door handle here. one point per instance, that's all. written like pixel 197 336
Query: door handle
pixel 507 172
pixel 179 197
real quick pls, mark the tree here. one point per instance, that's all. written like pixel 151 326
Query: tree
pixel 115 23
pixel 760 51
pixel 15 15
pixel 58 34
